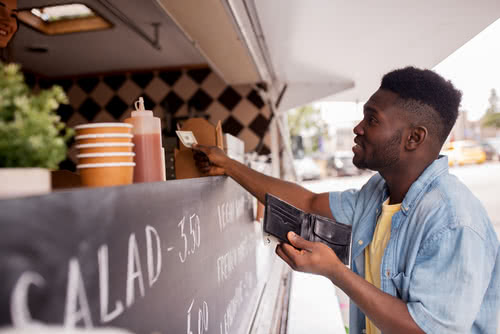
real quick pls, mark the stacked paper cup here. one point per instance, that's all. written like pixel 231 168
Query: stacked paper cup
pixel 105 154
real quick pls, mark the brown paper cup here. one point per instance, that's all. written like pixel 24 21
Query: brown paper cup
pixel 106 174
pixel 104 147
pixel 91 128
pixel 96 158
pixel 104 138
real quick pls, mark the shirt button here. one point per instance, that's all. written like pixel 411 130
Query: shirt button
pixel 387 273
pixel 360 242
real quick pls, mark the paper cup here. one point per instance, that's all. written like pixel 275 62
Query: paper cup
pixel 103 128
pixel 105 147
pixel 104 138
pixel 96 158
pixel 106 174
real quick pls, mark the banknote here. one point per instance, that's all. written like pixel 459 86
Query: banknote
pixel 187 138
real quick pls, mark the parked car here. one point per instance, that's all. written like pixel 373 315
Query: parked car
pixel 340 164
pixel 463 152
pixel 489 150
pixel 307 169
pixel 491 147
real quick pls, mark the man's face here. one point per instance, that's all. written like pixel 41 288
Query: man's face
pixel 8 21
pixel 379 134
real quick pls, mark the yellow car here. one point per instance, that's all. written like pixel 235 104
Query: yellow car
pixel 463 152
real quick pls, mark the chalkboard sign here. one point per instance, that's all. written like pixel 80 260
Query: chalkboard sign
pixel 168 257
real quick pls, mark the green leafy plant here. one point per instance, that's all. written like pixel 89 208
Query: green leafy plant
pixel 31 132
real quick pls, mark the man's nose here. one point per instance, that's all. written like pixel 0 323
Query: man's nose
pixel 358 129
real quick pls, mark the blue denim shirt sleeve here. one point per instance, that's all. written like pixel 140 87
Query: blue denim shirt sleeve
pixel 449 280
pixel 343 205
pixel 350 205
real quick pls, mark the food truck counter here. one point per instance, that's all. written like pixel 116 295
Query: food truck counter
pixel 166 257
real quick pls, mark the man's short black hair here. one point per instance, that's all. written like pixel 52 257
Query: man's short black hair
pixel 430 100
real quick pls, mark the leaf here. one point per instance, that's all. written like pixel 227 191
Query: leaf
pixel 31 133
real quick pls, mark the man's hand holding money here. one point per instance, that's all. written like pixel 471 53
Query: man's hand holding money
pixel 210 160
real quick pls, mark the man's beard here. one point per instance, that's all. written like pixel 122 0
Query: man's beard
pixel 382 157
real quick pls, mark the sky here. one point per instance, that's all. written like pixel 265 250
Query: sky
pixel 474 69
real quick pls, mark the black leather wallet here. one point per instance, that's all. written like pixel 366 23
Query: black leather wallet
pixel 281 218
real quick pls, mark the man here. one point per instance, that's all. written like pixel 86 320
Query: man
pixel 425 257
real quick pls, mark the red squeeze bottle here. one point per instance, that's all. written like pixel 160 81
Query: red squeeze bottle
pixel 147 148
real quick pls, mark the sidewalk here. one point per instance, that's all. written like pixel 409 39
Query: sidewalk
pixel 314 306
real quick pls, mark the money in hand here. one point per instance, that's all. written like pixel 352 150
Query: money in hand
pixel 187 138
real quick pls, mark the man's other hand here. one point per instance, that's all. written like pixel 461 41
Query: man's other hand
pixel 209 159
pixel 309 257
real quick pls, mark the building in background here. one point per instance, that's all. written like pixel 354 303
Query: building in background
pixel 467 129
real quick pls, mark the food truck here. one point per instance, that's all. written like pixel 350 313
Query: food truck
pixel 187 255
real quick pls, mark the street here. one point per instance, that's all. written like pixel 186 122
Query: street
pixel 314 301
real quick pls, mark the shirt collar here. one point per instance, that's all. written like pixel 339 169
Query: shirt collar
pixel 435 169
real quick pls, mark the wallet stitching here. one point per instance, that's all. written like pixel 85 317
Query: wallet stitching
pixel 289 215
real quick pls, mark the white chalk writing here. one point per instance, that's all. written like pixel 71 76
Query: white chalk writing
pixel 228 262
pixel 230 212
pixel 202 318
pixel 75 297
pixel 195 234
pixel 134 271
pixel 232 309
pixel 19 311
pixel 102 258
pixel 77 311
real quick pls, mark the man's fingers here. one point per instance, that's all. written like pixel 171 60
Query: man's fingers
pixel 201 148
pixel 299 242
pixel 205 170
pixel 214 171
pixel 284 256
pixel 291 251
pixel 200 156
pixel 202 162
pixel 202 165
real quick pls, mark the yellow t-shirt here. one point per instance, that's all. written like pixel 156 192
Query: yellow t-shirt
pixel 375 251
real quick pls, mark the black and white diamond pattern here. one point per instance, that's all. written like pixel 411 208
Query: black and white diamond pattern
pixel 142 79
pixel 229 98
pixel 173 95
pixel 89 109
pixel 116 107
pixel 170 77
pixel 115 81
pixel 88 83
pixel 172 103
pixel 200 100
pixel 199 75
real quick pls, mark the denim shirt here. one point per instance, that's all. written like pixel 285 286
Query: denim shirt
pixel 443 255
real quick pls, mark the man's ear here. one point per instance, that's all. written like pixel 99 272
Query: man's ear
pixel 416 137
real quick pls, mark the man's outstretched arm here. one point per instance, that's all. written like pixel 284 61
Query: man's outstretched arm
pixel 213 161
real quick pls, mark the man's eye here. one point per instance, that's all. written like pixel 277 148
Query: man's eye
pixel 372 120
